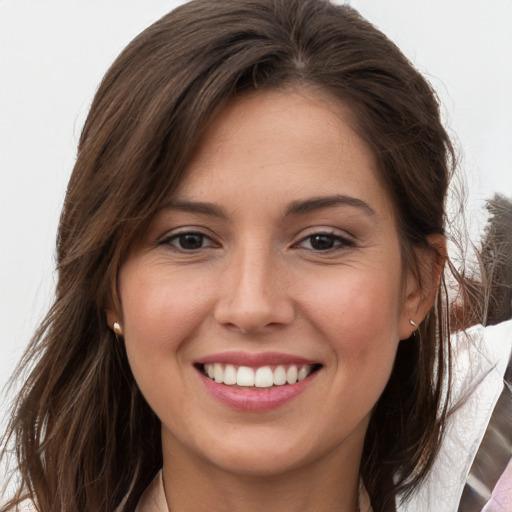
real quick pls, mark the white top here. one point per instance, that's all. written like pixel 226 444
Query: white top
pixel 481 356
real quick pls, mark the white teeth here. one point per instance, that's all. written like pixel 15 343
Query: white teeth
pixel 262 377
pixel 245 376
pixel 230 374
pixel 303 373
pixel 291 375
pixel 218 374
pixel 279 376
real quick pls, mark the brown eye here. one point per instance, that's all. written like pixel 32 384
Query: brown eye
pixel 190 241
pixel 187 241
pixel 324 242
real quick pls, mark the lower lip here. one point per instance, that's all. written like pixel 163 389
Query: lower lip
pixel 257 399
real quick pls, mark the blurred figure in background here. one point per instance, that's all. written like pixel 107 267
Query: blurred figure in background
pixel 489 302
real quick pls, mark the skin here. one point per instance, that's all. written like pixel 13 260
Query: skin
pixel 257 283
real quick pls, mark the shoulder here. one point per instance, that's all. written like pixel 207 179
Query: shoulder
pixel 480 353
pixel 480 359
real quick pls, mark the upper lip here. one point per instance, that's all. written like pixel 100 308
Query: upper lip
pixel 255 360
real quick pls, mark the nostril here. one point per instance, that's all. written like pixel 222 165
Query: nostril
pixel 247 308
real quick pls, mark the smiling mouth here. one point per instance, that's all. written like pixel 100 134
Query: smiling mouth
pixel 260 377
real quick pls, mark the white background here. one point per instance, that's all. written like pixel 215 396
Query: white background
pixel 53 54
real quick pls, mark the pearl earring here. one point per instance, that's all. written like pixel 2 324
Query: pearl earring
pixel 117 329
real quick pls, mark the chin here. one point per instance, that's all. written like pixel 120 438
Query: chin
pixel 259 463
pixel 266 451
pixel 248 451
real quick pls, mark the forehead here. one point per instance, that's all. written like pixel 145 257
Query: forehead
pixel 282 145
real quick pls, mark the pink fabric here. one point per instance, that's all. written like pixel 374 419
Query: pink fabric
pixel 501 499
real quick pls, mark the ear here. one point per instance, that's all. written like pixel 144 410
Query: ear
pixel 422 284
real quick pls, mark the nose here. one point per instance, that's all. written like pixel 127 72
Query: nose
pixel 254 296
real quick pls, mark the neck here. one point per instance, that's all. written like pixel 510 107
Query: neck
pixel 329 485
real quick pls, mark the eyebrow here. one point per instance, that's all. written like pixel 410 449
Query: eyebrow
pixel 301 207
pixel 197 207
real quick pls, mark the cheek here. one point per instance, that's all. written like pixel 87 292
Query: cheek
pixel 160 304
pixel 355 304
pixel 163 310
pixel 358 316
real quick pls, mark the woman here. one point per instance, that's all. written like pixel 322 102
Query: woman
pixel 248 312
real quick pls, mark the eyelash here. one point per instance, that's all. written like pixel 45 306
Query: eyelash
pixel 170 241
pixel 337 242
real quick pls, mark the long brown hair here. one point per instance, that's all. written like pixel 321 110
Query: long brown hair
pixel 84 436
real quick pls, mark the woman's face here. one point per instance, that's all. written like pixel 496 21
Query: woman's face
pixel 275 269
